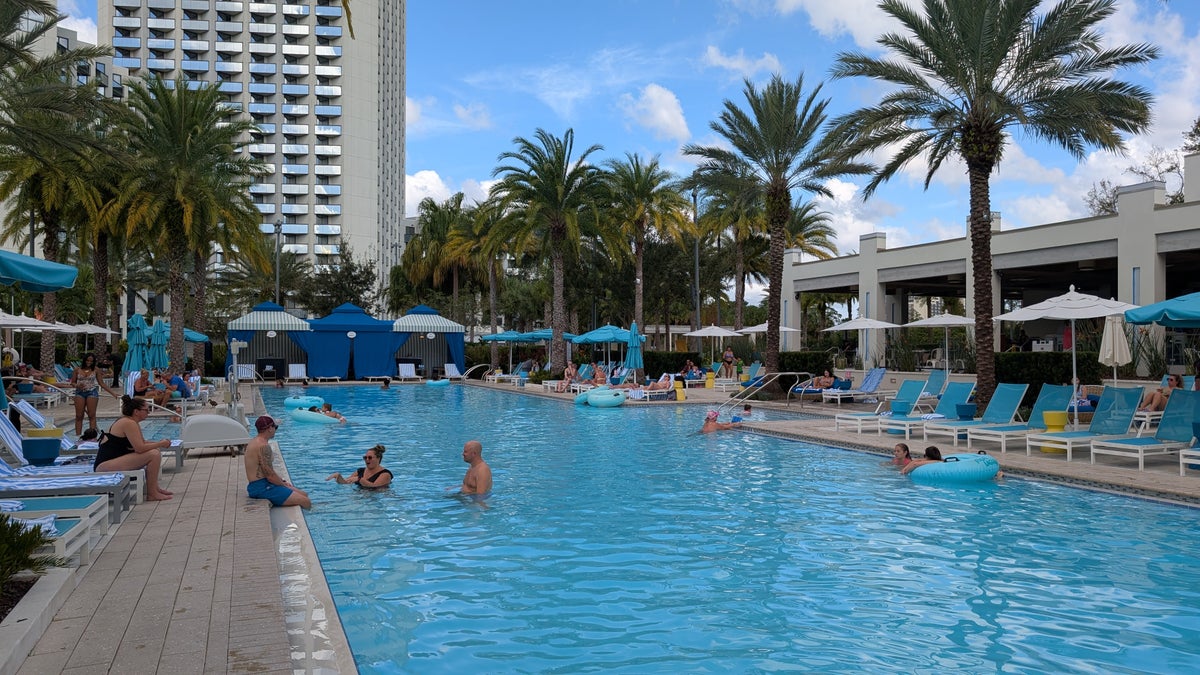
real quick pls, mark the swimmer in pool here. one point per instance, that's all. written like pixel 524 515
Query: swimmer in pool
pixel 932 456
pixel 901 455
pixel 711 424
pixel 478 480
pixel 378 476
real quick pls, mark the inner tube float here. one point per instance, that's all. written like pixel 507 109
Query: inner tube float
pixel 960 468
pixel 437 383
pixel 581 398
pixel 605 398
pixel 302 415
pixel 303 401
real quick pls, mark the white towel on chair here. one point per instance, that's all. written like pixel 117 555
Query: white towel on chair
pixel 45 523
pixel 933 416
pixel 10 505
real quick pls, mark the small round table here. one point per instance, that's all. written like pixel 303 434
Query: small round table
pixel 1056 420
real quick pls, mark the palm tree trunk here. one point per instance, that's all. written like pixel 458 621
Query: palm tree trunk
pixel 454 309
pixel 100 292
pixel 200 309
pixel 177 288
pixel 639 258
pixel 49 300
pixel 778 212
pixel 493 306
pixel 981 263
pixel 739 284
pixel 558 314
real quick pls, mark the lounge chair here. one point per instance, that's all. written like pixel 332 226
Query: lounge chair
pixel 1113 416
pixel 91 509
pixel 38 421
pixel 1052 397
pixel 947 407
pixel 114 485
pixel 209 431
pixel 70 538
pixel 407 372
pixel 297 372
pixel 1174 432
pixel 1000 410
pixel 909 391
pixel 934 385
pixel 452 372
pixel 870 386
pixel 583 380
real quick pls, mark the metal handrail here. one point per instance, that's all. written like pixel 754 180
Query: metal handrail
pixel 477 366
pixel 746 392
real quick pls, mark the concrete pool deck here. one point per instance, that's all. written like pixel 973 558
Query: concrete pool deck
pixel 214 582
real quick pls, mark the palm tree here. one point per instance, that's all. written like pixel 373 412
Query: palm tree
pixel 477 245
pixel 548 191
pixel 777 144
pixel 188 188
pixel 429 257
pixel 644 200
pixel 967 73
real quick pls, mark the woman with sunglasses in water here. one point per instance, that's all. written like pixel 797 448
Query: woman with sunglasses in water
pixel 373 475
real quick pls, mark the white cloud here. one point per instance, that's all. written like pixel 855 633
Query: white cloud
pixel 740 63
pixel 428 183
pixel 1041 209
pixel 473 115
pixel 78 20
pixel 413 119
pixel 656 109
pixel 851 217
pixel 861 19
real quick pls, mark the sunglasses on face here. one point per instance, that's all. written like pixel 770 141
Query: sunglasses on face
pixel 366 457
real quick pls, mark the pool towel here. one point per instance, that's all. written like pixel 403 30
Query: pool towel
pixel 933 416
pixel 45 524
pixel 11 505
pixel 88 480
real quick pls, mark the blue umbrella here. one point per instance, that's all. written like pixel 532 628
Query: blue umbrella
pixel 544 334
pixel 160 335
pixel 34 274
pixel 607 333
pixel 633 356
pixel 509 336
pixel 1180 312
pixel 136 336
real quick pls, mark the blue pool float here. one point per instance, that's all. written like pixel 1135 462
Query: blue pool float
pixel 437 383
pixel 605 398
pixel 581 398
pixel 303 401
pixel 302 415
pixel 959 468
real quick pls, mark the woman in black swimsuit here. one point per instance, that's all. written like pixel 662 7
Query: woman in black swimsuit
pixel 125 449
pixel 373 475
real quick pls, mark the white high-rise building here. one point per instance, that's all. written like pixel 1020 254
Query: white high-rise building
pixel 329 108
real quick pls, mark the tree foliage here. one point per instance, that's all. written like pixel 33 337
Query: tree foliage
pixel 350 280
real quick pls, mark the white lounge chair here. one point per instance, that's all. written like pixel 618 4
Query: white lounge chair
pixel 1113 416
pixel 407 372
pixel 297 372
pixel 947 407
pixel 870 387
pixel 114 485
pixel 909 391
pixel 1000 410
pixel 1052 397
pixel 70 538
pixel 1174 432
pixel 452 372
pixel 93 510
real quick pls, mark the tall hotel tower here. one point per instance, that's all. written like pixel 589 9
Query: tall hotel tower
pixel 329 108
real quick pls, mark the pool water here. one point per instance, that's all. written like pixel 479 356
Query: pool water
pixel 621 540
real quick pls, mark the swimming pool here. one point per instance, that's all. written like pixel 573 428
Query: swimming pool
pixel 620 540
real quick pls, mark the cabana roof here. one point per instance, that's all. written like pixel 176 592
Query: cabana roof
pixel 268 316
pixel 422 319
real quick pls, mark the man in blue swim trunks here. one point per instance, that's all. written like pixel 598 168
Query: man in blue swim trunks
pixel 264 483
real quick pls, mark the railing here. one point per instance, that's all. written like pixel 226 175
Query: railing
pixel 746 392
pixel 467 375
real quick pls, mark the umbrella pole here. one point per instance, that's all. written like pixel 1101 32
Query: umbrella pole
pixel 946 353
pixel 1074 377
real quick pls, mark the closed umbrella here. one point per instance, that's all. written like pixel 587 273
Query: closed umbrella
pixel 633 355
pixel 864 324
pixel 156 355
pixel 1114 345
pixel 1068 307
pixel 137 334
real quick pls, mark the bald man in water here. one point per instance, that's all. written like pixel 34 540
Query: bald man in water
pixel 478 480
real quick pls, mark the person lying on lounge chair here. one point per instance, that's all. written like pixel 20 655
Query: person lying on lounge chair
pixel 600 377
pixel 819 382
pixel 570 375
pixel 1156 399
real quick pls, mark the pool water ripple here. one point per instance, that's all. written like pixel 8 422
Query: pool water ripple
pixel 621 540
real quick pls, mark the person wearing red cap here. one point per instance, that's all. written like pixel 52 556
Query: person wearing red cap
pixel 711 424
pixel 263 482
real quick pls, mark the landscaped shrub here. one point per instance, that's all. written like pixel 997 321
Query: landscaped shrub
pixel 1038 368
pixel 658 363
pixel 17 546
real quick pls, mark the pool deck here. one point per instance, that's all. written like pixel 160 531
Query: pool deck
pixel 197 584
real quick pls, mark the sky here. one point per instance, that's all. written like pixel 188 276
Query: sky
pixel 649 76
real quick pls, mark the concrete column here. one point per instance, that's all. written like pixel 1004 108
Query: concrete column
pixel 871 298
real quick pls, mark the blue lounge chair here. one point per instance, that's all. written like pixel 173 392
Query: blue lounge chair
pixel 909 391
pixel 114 485
pixel 933 389
pixel 11 439
pixel 1113 416
pixel 70 538
pixel 1000 410
pixel 1052 397
pixel 38 421
pixel 1174 432
pixel 870 386
pixel 956 392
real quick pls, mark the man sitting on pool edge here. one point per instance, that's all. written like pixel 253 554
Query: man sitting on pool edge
pixel 478 480
pixel 711 424
pixel 262 481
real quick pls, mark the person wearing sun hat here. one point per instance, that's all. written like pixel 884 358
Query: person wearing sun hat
pixel 262 481
pixel 711 424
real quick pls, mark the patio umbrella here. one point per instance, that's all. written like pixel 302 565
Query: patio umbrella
pixel 509 336
pixel 156 355
pixel 945 321
pixel 633 355
pixel 1114 345
pixel 606 334
pixel 137 333
pixel 34 274
pixel 762 328
pixel 713 332
pixel 1181 312
pixel 864 324
pixel 1069 307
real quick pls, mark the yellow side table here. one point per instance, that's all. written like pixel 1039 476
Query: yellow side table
pixel 680 391
pixel 1056 420
pixel 708 380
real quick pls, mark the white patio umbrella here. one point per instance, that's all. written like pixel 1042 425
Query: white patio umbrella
pixel 712 332
pixel 1114 345
pixel 945 321
pixel 762 328
pixel 1069 307
pixel 864 324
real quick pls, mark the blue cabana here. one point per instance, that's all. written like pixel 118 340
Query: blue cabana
pixel 443 339
pixel 329 345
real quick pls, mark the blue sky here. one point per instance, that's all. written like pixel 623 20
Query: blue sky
pixel 649 76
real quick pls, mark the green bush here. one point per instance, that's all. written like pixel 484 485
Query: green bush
pixel 802 362
pixel 16 550
pixel 1037 368
pixel 658 363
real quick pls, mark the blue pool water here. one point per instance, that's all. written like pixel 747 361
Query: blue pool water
pixel 620 540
